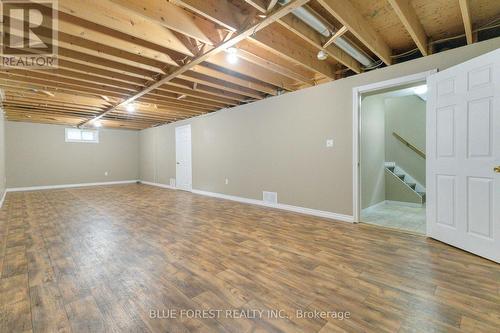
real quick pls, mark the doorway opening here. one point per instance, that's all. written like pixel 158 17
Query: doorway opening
pixel 392 157
pixel 391 154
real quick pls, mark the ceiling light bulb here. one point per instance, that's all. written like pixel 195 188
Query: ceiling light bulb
pixel 232 56
pixel 130 107
pixel 322 55
pixel 420 90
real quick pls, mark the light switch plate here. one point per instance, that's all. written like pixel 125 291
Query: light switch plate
pixel 329 143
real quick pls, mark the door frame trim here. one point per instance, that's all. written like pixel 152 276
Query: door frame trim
pixel 356 128
pixel 190 189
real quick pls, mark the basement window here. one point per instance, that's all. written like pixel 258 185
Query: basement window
pixel 82 135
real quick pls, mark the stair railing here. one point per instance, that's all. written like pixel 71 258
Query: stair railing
pixel 409 145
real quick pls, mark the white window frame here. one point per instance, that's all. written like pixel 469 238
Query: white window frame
pixel 95 133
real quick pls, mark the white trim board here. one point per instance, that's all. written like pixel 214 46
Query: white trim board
pixel 296 209
pixel 157 185
pixel 3 198
pixel 356 127
pixel 51 187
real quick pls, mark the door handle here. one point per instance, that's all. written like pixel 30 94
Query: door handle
pixel 178 162
pixel 497 169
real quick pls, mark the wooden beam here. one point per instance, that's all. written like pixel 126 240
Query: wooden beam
pixel 171 17
pixel 105 13
pixel 221 12
pixel 466 17
pixel 201 58
pixel 336 35
pixel 409 18
pixel 211 9
pixel 350 17
pixel 276 41
pixel 251 52
pixel 292 23
pixel 254 85
pixel 271 5
pixel 254 71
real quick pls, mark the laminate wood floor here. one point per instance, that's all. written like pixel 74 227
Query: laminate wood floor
pixel 101 259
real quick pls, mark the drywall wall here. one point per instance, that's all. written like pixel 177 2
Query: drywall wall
pixel 406 116
pixel 278 144
pixel 2 156
pixel 37 155
pixel 372 150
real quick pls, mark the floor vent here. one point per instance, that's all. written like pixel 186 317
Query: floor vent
pixel 270 197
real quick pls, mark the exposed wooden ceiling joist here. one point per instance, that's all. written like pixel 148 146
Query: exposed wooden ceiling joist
pixel 311 36
pixel 350 17
pixel 214 51
pixel 103 12
pixel 409 18
pixel 466 17
pixel 215 10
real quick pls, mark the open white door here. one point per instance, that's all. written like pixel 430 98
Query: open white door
pixel 183 172
pixel 463 138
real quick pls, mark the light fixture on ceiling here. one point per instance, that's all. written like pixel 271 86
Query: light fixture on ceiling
pixel 322 55
pixel 97 123
pixel 262 16
pixel 311 20
pixel 232 55
pixel 420 90
pixel 130 107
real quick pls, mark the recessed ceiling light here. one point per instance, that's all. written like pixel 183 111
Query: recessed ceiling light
pixel 232 56
pixel 322 55
pixel 130 107
pixel 97 123
pixel 262 16
pixel 420 90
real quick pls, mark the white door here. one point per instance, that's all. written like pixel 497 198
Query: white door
pixel 183 157
pixel 463 137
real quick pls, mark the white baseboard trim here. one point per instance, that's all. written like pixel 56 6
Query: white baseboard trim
pixel 52 187
pixel 3 198
pixel 296 209
pixel 157 185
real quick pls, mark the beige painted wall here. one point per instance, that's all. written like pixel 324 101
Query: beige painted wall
pixel 372 150
pixel 38 155
pixel 2 154
pixel 406 116
pixel 278 144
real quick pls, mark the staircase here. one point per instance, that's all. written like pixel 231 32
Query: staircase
pixel 406 179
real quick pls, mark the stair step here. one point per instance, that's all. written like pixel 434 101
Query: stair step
pixel 412 185
pixel 391 168
pixel 401 176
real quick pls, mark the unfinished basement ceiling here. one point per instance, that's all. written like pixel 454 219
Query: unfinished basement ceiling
pixel 164 57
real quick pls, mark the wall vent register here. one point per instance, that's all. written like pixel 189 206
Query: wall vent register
pixel 270 197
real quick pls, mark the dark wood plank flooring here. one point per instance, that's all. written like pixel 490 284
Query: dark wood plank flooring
pixel 101 259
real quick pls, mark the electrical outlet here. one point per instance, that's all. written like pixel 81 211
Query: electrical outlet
pixel 329 143
pixel 227 181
